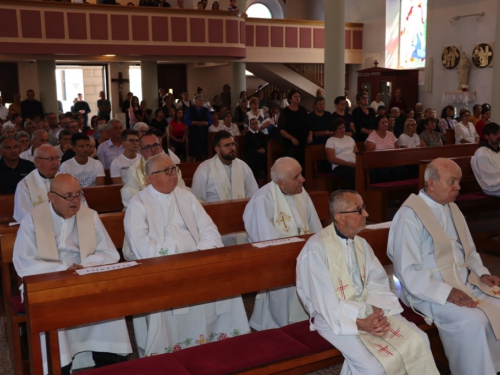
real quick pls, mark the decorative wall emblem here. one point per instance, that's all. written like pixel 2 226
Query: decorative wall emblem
pixel 482 55
pixel 450 57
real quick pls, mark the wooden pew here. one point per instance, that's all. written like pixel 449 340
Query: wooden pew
pixel 274 152
pixel 188 170
pixel 63 299
pixel 227 216
pixel 107 178
pixel 450 136
pixel 376 196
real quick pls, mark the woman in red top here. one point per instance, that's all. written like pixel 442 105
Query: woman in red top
pixel 485 119
pixel 177 133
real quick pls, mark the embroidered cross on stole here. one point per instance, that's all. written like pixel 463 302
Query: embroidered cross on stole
pixel 445 260
pixel 401 350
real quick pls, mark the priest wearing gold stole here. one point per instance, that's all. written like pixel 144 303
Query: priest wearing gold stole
pixel 164 220
pixel 282 208
pixel 32 190
pixel 442 275
pixel 60 235
pixel 345 289
pixel 224 177
pixel 137 180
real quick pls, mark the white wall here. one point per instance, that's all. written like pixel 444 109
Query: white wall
pixel 28 78
pixel 466 32
pixel 210 79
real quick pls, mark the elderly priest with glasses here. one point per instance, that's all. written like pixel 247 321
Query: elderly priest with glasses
pixel 164 220
pixel 345 289
pixel 61 234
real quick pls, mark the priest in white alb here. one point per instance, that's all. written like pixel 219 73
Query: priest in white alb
pixel 282 208
pixel 442 275
pixel 164 220
pixel 224 177
pixel 61 234
pixel 32 190
pixel 136 174
pixel 486 160
pixel 346 291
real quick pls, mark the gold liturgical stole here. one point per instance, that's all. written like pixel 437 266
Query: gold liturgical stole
pixel 401 350
pixel 46 239
pixel 445 260
pixel 234 189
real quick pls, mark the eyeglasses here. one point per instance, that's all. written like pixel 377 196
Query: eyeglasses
pixel 49 159
pixel 229 145
pixel 359 211
pixel 78 195
pixel 169 170
pixel 133 140
pixel 150 147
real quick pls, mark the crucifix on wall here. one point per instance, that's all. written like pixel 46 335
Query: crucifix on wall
pixel 120 80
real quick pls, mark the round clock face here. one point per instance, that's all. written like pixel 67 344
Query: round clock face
pixel 450 57
pixel 482 55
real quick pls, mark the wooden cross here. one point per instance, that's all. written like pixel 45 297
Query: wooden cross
pixel 120 80
pixel 39 201
pixel 283 220
pixel 395 333
pixel 202 340
pixel 384 349
pixel 342 287
pixel 376 63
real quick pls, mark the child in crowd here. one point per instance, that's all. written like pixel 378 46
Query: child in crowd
pixel 119 167
pixel 255 149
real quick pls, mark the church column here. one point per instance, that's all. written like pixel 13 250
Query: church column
pixel 47 85
pixel 238 78
pixel 149 81
pixel 495 97
pixel 334 51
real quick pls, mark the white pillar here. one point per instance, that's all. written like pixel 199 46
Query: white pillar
pixel 47 85
pixel 316 10
pixel 334 51
pixel 238 82
pixel 495 97
pixel 149 79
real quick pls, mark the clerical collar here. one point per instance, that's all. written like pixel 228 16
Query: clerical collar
pixel 340 234
pixel 45 178
pixel 485 143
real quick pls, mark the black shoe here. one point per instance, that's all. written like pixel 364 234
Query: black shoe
pixel 104 359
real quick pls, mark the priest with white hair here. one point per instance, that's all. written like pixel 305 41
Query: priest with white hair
pixel 32 190
pixel 282 208
pixel 61 234
pixel 164 220
pixel 442 275
pixel 346 291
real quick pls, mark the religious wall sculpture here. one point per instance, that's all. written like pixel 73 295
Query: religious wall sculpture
pixel 450 57
pixel 482 55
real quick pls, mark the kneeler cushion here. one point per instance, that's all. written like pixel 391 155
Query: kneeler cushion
pixel 240 353
pixel 18 306
pixel 312 339
pixel 156 365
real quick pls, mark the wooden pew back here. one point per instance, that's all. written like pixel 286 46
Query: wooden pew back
pixel 274 152
pixel 64 299
pixel 188 170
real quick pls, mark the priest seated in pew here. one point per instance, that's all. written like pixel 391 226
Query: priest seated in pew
pixel 282 208
pixel 486 161
pixel 164 220
pixel 346 291
pixel 149 145
pixel 61 234
pixel 224 177
pixel 442 274
pixel 32 190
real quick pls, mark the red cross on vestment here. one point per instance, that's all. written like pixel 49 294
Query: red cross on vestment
pixel 496 293
pixel 342 287
pixel 384 349
pixel 395 333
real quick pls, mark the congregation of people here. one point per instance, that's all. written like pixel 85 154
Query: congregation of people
pixel 341 286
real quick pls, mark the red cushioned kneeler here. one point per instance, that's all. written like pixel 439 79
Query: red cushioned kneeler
pixel 312 339
pixel 241 352
pixel 18 305
pixel 157 365
pixel 472 196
